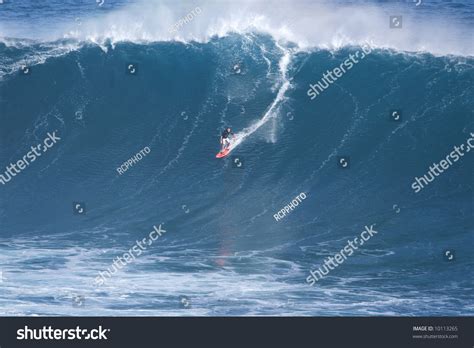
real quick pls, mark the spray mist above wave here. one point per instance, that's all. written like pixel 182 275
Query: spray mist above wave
pixel 307 24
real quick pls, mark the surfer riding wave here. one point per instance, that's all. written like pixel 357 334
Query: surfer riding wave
pixel 225 138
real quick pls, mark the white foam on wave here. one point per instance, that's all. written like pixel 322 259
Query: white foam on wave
pixel 308 24
pixel 41 277
pixel 41 53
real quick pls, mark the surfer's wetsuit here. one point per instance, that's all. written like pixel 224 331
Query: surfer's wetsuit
pixel 225 138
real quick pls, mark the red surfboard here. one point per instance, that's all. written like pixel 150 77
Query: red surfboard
pixel 224 153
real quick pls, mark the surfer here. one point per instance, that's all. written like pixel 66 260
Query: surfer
pixel 225 141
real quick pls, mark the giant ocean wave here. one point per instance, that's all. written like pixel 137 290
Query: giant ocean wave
pixel 223 249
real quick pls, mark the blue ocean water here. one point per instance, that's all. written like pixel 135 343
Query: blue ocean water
pixel 223 252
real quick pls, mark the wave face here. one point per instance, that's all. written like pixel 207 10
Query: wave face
pixel 223 250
